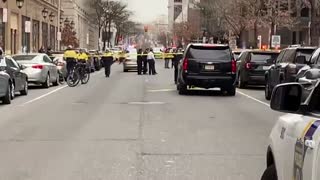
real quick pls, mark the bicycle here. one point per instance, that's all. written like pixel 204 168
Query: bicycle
pixel 79 73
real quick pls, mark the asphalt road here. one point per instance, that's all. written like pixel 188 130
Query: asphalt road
pixel 134 127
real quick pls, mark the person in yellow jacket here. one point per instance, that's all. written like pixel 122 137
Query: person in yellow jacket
pixel 122 56
pixel 82 56
pixel 70 56
pixel 107 59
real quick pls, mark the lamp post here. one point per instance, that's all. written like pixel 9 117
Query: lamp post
pixel 19 3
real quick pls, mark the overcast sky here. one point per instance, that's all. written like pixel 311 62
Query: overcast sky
pixel 147 10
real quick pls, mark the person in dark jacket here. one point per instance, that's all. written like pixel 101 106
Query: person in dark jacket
pixel 140 61
pixel 145 61
pixel 178 55
pixel 107 60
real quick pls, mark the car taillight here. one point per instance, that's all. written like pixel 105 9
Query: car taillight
pixel 248 65
pixel 185 64
pixel 233 66
pixel 37 66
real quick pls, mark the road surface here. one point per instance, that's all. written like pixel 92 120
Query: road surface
pixel 134 127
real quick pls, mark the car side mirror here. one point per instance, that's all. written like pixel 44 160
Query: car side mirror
pixel 287 97
pixel 301 60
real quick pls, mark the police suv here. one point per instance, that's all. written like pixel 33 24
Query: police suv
pixel 294 146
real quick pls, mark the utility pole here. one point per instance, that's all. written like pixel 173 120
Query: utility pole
pixel 58 24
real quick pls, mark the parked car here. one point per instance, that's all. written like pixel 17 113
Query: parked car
pixel 130 62
pixel 5 87
pixel 39 68
pixel 286 67
pixel 252 65
pixel 207 66
pixel 18 79
pixel 294 143
pixel 96 57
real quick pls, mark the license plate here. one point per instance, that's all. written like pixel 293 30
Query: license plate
pixel 209 67
pixel 265 67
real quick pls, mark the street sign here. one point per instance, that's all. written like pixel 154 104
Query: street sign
pixel 87 38
pixel 276 41
pixel 27 26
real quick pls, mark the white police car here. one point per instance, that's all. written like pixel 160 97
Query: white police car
pixel 294 146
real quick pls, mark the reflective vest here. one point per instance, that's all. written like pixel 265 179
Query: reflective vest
pixel 83 56
pixel 70 54
pixel 107 55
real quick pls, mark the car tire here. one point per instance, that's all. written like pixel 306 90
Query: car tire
pixel 183 89
pixel 46 84
pixel 270 173
pixel 267 91
pixel 24 92
pixel 241 83
pixel 232 91
pixel 56 83
pixel 7 98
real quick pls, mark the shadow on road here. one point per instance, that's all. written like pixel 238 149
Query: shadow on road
pixel 205 93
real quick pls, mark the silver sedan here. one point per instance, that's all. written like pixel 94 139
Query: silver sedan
pixel 39 68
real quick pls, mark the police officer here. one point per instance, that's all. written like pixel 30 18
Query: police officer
pixel 83 58
pixel 178 55
pixel 140 61
pixel 107 59
pixel 145 61
pixel 70 56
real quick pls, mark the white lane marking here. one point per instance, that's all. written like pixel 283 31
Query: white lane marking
pixel 161 90
pixel 54 91
pixel 146 103
pixel 43 96
pixel 255 99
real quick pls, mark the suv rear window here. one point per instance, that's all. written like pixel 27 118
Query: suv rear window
pixel 212 53
pixel 259 56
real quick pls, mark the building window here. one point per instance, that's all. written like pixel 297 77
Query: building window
pixel 2 31
pixel 305 12
pixel 45 38
pixel 25 40
pixel 52 36
pixel 35 35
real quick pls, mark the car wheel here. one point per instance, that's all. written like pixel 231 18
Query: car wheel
pixel 24 92
pixel 270 173
pixel 232 91
pixel 12 91
pixel 7 98
pixel 182 89
pixel 241 83
pixel 267 91
pixel 56 82
pixel 46 84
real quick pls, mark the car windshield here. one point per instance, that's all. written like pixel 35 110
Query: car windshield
pixel 212 53
pixel 260 56
pixel 24 57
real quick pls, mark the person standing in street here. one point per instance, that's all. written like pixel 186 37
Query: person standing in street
pixel 70 56
pixel 166 58
pixel 140 61
pixel 107 60
pixel 178 55
pixel 151 62
pixel 145 61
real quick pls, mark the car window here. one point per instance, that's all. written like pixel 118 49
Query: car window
pixel 10 63
pixel 47 59
pixel 289 56
pixel 315 56
pixel 281 55
pixel 261 56
pixel 24 57
pixel 305 52
pixel 212 53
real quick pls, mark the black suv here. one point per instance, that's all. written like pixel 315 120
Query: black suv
pixel 207 66
pixel 252 66
pixel 287 65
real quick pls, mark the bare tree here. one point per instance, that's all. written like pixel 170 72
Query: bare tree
pixel 314 6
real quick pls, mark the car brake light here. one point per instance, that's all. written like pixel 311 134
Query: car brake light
pixel 185 64
pixel 37 66
pixel 248 65
pixel 233 66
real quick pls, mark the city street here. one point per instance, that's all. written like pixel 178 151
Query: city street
pixel 134 127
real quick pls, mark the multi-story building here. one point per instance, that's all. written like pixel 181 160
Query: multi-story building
pixel 24 28
pixel 177 12
pixel 80 12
